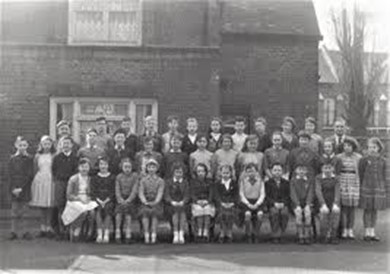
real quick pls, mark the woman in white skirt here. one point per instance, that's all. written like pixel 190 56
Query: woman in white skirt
pixel 42 187
pixel 79 206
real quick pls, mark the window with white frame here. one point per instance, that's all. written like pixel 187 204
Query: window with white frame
pixel 329 111
pixel 82 112
pixel 105 22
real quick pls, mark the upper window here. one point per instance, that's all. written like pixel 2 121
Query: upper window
pixel 329 111
pixel 105 22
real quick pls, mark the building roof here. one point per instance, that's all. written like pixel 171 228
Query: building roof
pixel 289 17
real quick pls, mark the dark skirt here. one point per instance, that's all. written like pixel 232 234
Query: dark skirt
pixel 60 193
pixel 127 208
pixel 170 210
pixel 151 211
pixel 227 214
pixel 109 209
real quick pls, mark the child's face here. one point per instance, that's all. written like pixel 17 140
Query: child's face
pixel 103 166
pixel 173 125
pixel 251 172
pixel 22 146
pixel 215 126
pixel 84 169
pixel 91 138
pixel 301 171
pixel 259 127
pixel 303 141
pixel 178 173
pixel 149 124
pixel 328 148
pixel 126 167
pixel 239 127
pixel 277 140
pixel 277 171
pixel 126 125
pixel 148 146
pixel 200 172
pixel 327 169
pixel 309 127
pixel 348 148
pixel 176 143
pixel 252 145
pixel 192 127
pixel 202 143
pixel 151 169
pixel 287 127
pixel 101 126
pixel 373 148
pixel 226 144
pixel 46 144
pixel 63 130
pixel 66 145
pixel 225 173
pixel 120 139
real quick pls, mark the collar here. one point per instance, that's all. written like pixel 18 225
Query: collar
pixel 149 133
pixel 226 183
pixel 338 137
pixel 119 147
pixel 301 177
pixel 91 147
pixel 174 151
pixel 215 135
pixel 18 153
pixel 323 176
pixel 329 156
pixel 148 153
pixel 192 137
pixel 178 181
pixel 239 135
pixel 277 148
pixel 104 175
pixel 67 154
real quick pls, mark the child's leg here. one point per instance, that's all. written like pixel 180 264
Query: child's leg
pixel 182 225
pixel 43 229
pixel 99 225
pixel 283 219
pixel 334 222
pixel 154 229
pixel 374 217
pixel 91 218
pixel 128 226
pixel 60 224
pixel 175 228
pixel 307 223
pixel 118 228
pixel 298 221
pixel 146 227
pixel 206 227
pixel 367 222
pixel 223 227
pixel 48 214
pixel 229 228
pixel 248 223
pixel 351 221
pixel 259 221
pixel 274 221
pixel 344 221
pixel 324 222
pixel 78 224
pixel 199 225
pixel 107 224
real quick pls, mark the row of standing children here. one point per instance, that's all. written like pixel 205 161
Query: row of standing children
pixel 239 186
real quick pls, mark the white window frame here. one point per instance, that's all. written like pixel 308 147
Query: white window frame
pixel 327 115
pixel 72 28
pixel 78 117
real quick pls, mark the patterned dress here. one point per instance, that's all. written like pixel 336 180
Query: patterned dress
pixel 372 171
pixel 42 187
pixel 349 179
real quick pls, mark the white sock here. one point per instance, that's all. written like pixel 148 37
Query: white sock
pixel 100 232
pixel 175 237
pixel 372 232
pixel 154 237
pixel 345 232
pixel 181 236
pixel 367 232
pixel 350 232
pixel 117 233
pixel 77 231
pixel 128 233
pixel 147 237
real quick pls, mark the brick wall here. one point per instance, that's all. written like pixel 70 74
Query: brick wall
pixel 180 79
pixel 272 75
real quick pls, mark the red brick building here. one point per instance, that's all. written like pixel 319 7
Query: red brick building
pixel 80 59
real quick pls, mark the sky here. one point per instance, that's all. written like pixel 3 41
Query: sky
pixel 378 20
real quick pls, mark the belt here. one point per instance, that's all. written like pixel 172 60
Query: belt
pixel 348 171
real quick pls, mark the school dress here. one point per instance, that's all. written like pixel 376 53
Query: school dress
pixel 214 142
pixel 42 187
pixel 226 195
pixel 251 190
pixel 64 166
pixel 78 199
pixel 103 188
pixel 201 157
pixel 372 171
pixel 290 144
pixel 202 190
pixel 151 188
pixel 126 188
pixel 245 158
pixel 349 179
pixel 176 191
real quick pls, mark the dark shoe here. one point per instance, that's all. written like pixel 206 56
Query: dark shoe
pixel 27 236
pixel 307 241
pixel 301 241
pixel 351 238
pixel 128 241
pixel 335 241
pixel 221 240
pixel 375 239
pixel 42 234
pixel 275 240
pixel 50 234
pixel 13 236
pixel 248 239
pixel 367 238
pixel 229 240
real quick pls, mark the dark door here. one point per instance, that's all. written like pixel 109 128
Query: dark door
pixel 229 112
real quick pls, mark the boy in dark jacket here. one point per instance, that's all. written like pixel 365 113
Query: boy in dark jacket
pixel 118 152
pixel 20 171
pixel 277 191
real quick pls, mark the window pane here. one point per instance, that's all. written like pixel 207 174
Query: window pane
pixel 89 26
pixel 104 109
pixel 123 27
pixel 142 111
pixel 85 125
pixel 64 112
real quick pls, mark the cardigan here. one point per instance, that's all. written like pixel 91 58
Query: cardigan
pixel 151 189
pixel 187 146
pixel 126 186
pixel 277 193
pixel 223 195
pixel 304 156
pixel 177 191
pixel 201 190
pixel 64 167
pixel 103 187
pixel 72 190
pixel 20 175
pixel 264 142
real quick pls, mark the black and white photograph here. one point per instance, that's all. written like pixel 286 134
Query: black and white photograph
pixel 194 136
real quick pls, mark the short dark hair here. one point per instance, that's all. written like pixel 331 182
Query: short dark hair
pixel 171 118
pixel 177 166
pixel 67 138
pixel 251 165
pixel 101 118
pixel 83 161
pixel 276 164
pixel 92 130
pixel 126 119
pixel 239 119
pixel 119 131
pixel 125 160
pixel 102 158
pixel 304 134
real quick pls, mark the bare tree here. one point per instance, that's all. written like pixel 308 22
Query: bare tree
pixel 361 73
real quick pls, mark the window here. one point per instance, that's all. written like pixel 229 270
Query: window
pixel 329 111
pixel 82 112
pixel 105 22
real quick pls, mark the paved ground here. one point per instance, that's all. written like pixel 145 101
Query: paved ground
pixel 41 255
